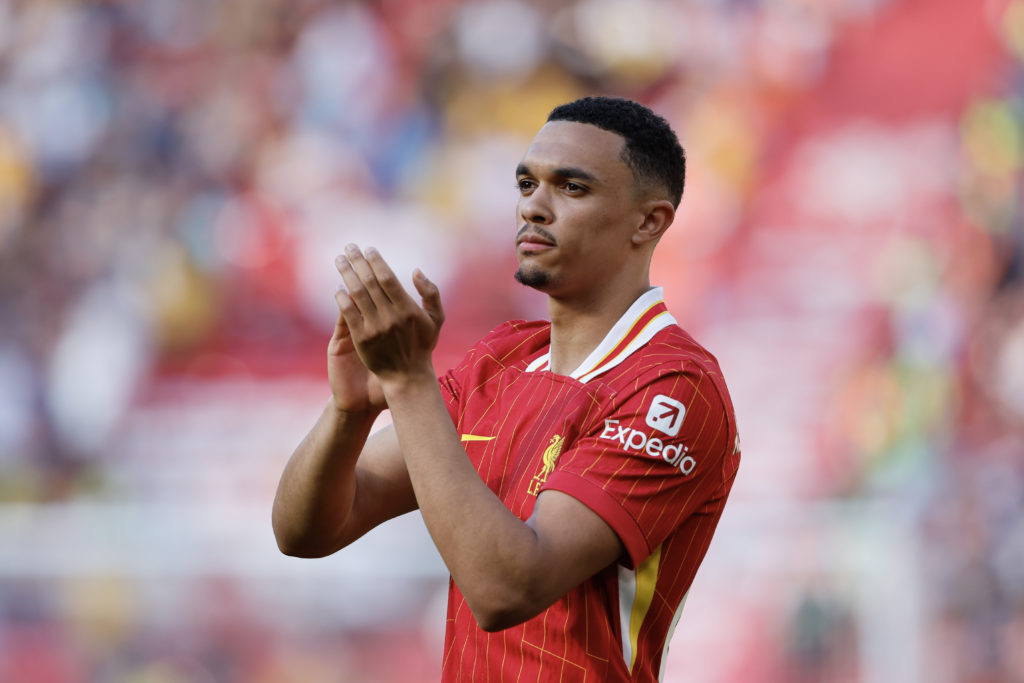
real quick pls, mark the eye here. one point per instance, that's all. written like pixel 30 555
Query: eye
pixel 574 188
pixel 525 185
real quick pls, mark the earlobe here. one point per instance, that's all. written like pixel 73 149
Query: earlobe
pixel 656 220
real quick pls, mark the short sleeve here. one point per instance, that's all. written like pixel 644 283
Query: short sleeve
pixel 656 456
pixel 451 385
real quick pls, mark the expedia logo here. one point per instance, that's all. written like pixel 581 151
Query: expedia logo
pixel 635 440
pixel 666 414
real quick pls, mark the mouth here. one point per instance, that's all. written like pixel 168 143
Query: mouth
pixel 534 242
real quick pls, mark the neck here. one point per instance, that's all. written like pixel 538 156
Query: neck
pixel 579 325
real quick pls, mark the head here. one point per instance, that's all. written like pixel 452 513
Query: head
pixel 651 148
pixel 598 186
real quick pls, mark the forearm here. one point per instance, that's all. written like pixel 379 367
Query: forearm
pixel 491 553
pixel 317 490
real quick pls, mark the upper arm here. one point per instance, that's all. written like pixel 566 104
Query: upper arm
pixel 658 458
pixel 573 544
pixel 383 489
pixel 624 487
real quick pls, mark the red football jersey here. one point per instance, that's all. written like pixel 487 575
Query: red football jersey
pixel 644 434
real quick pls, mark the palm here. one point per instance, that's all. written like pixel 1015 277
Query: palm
pixel 354 387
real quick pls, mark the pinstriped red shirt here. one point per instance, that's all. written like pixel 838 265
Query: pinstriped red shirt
pixel 644 434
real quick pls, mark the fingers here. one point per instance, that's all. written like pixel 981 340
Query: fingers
pixel 362 284
pixel 385 277
pixel 341 340
pixel 430 295
pixel 349 316
pixel 372 291
pixel 340 325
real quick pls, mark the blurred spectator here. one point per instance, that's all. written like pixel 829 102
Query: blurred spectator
pixel 175 178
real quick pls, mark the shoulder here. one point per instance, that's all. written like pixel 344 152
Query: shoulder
pixel 673 349
pixel 673 384
pixel 507 345
pixel 670 355
pixel 514 340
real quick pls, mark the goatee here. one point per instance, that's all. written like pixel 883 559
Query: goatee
pixel 532 278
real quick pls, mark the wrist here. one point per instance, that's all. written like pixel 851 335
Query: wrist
pixel 401 384
pixel 344 415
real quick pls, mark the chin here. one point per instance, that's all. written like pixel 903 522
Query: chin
pixel 533 277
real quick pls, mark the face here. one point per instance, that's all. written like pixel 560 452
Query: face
pixel 578 208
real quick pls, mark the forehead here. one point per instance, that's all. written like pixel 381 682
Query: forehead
pixel 567 144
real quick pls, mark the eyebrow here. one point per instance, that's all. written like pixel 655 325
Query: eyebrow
pixel 562 172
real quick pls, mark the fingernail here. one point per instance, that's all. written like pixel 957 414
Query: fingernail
pixel 339 260
pixel 372 251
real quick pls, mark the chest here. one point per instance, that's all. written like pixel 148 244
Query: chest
pixel 515 425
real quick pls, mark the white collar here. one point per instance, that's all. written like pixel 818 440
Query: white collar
pixel 642 320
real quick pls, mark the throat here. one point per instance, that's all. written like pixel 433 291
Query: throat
pixel 571 345
pixel 578 331
pixel 566 364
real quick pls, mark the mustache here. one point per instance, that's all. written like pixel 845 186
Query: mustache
pixel 539 230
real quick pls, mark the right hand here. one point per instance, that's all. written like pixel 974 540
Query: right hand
pixel 355 389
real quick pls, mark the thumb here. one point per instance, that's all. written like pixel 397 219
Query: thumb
pixel 430 295
pixel 341 326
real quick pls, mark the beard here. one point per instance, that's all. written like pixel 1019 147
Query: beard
pixel 534 278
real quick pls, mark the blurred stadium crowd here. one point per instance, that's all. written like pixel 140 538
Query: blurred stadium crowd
pixel 177 175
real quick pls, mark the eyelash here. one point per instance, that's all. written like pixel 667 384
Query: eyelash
pixel 576 187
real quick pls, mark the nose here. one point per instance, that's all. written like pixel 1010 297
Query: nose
pixel 536 206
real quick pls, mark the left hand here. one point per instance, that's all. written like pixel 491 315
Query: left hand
pixel 393 335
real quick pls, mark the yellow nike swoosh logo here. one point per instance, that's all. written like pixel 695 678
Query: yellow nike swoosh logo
pixel 474 437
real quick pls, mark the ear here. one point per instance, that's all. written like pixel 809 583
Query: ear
pixel 658 215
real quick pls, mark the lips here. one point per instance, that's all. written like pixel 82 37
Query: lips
pixel 532 241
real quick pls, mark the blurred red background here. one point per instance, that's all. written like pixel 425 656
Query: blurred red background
pixel 176 178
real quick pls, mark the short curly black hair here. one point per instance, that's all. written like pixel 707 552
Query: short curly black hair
pixel 652 150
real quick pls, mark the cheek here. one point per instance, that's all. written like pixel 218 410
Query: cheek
pixel 588 256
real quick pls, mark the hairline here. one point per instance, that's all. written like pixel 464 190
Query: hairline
pixel 643 187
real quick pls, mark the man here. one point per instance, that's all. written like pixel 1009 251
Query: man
pixel 571 474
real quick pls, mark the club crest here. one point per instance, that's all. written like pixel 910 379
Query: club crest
pixel 548 461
